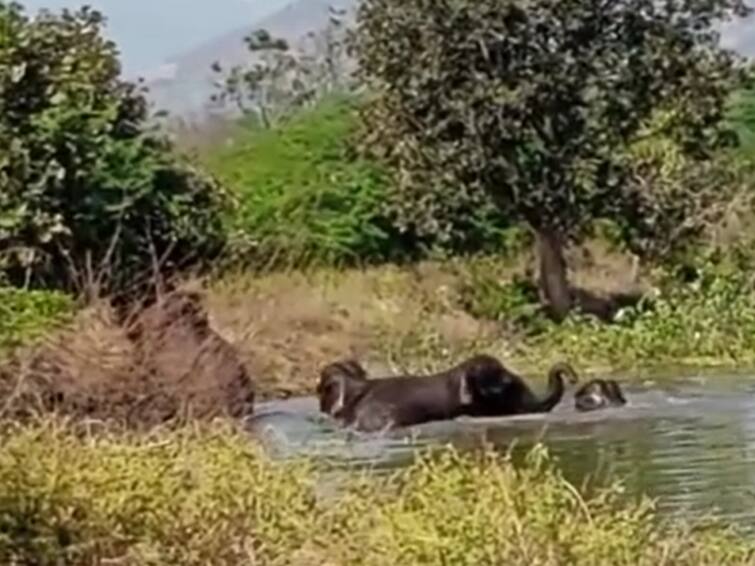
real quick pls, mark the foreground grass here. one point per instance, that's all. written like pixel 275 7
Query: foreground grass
pixel 210 496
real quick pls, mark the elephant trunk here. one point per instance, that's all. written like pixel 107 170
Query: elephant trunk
pixel 556 387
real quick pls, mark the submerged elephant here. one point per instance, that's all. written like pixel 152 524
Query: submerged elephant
pixel 478 386
pixel 599 394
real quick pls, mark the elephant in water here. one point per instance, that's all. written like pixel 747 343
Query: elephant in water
pixel 517 398
pixel 478 386
pixel 599 394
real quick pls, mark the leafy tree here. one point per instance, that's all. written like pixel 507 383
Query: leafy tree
pixel 280 78
pixel 271 83
pixel 327 53
pixel 537 103
pixel 86 188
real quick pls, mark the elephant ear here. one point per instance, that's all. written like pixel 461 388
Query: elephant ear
pixel 616 392
pixel 340 393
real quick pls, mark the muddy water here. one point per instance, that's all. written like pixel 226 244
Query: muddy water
pixel 689 442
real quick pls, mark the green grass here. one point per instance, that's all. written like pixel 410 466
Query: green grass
pixel 209 496
pixel 708 324
pixel 28 315
pixel 306 197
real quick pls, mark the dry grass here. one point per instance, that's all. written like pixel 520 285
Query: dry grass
pixel 288 325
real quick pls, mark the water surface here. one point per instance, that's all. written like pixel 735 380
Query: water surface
pixel 688 442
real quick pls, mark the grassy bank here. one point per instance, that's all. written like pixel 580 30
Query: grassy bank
pixel 426 316
pixel 209 496
pixel 429 315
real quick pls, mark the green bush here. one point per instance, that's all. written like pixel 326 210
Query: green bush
pixel 211 497
pixel 26 315
pixel 85 186
pixel 302 198
pixel 710 321
pixel 306 197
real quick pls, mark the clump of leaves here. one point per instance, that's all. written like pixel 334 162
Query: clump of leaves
pixel 84 183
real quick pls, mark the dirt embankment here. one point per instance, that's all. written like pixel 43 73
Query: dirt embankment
pixel 165 364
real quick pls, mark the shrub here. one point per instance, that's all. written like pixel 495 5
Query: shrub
pixel 184 498
pixel 302 197
pixel 210 496
pixel 86 186
pixel 305 197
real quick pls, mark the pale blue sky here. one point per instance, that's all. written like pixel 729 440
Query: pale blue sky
pixel 149 31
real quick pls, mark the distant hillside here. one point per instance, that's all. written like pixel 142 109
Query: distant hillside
pixel 183 85
pixel 185 82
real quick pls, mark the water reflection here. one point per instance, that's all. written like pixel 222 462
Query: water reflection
pixel 690 442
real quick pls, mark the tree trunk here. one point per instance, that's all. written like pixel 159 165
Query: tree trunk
pixel 553 282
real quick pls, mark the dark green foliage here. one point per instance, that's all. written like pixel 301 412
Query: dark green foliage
pixel 535 102
pixel 84 185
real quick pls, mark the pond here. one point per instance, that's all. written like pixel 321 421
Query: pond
pixel 688 442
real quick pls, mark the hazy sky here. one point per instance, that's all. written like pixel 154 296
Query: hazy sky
pixel 149 31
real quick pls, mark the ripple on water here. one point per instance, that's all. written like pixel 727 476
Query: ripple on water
pixel 688 442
